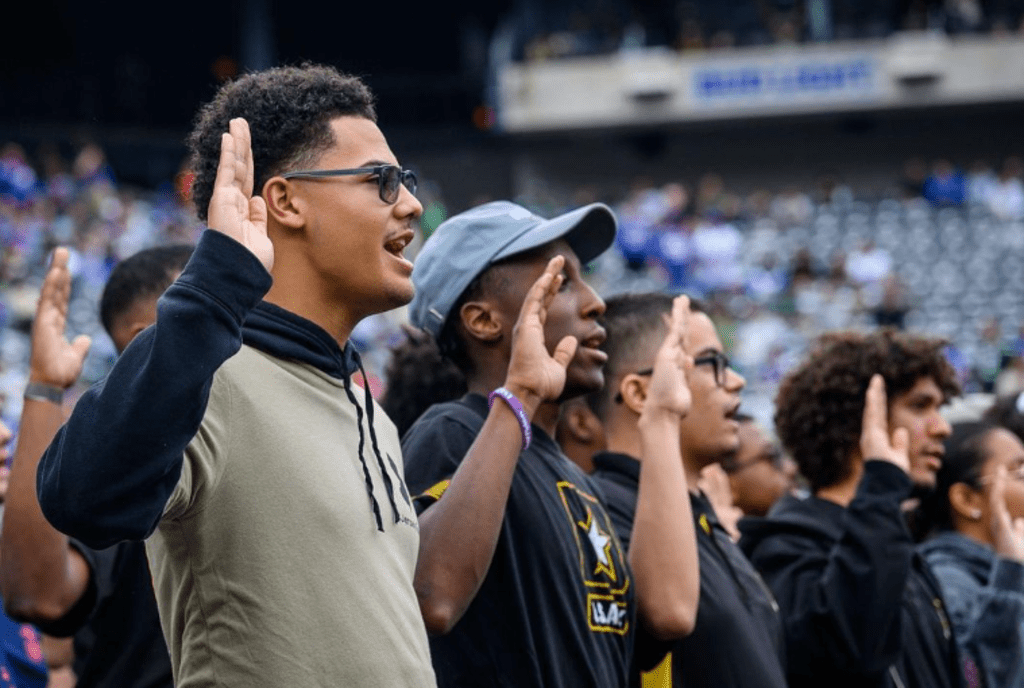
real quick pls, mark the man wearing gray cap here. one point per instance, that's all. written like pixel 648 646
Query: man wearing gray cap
pixel 521 578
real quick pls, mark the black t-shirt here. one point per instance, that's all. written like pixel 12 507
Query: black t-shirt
pixel 556 607
pixel 738 636
pixel 118 640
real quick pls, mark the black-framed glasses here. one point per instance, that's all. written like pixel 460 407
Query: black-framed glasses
pixel 717 360
pixel 390 178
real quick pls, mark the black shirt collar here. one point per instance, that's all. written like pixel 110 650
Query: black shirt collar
pixel 622 465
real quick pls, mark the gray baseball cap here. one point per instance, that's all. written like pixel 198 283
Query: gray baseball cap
pixel 466 244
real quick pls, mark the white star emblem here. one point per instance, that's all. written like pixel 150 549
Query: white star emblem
pixel 600 542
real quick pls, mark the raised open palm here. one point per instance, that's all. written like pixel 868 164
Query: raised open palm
pixel 668 391
pixel 56 361
pixel 532 368
pixel 233 209
pixel 875 440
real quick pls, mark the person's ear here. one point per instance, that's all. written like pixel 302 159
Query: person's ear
pixel 966 502
pixel 137 327
pixel 284 205
pixel 633 390
pixel 578 424
pixel 481 321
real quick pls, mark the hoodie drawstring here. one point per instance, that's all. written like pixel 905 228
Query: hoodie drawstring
pixel 388 485
pixel 362 441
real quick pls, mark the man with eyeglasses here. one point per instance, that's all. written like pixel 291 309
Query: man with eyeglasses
pixel 229 436
pixel 737 639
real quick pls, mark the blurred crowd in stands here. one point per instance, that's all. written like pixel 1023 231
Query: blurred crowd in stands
pixel 609 26
pixel 50 200
pixel 776 267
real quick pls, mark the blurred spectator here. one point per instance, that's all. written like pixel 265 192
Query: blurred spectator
pixel 869 264
pixel 22 664
pixel 1010 379
pixel 17 178
pixel 834 191
pixel 766 279
pixel 1006 197
pixel 988 356
pixel 716 249
pixel 792 207
pixel 712 198
pixel 981 181
pixel 913 179
pixel 945 186
pixel 759 473
pixel 892 310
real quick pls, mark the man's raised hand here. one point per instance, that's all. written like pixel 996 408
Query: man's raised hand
pixel 234 210
pixel 668 392
pixel 532 372
pixel 875 442
pixel 56 361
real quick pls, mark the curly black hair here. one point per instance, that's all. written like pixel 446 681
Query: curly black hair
pixel 418 376
pixel 820 404
pixel 288 109
pixel 146 274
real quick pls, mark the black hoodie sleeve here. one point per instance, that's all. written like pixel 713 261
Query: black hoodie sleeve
pixel 111 469
pixel 841 599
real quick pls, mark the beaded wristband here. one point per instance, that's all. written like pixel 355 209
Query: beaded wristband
pixel 517 409
pixel 40 391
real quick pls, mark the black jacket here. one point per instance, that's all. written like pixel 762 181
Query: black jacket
pixel 859 605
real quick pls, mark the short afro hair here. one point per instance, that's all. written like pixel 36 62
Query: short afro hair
pixel 635 328
pixel 820 404
pixel 146 274
pixel 289 110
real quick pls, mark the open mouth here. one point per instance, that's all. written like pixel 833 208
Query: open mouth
pixel 396 246
pixel 732 412
pixel 594 340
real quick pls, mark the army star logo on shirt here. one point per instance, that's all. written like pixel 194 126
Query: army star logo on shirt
pixel 601 543
pixel 601 561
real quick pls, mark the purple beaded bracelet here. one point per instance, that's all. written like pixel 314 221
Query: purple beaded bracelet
pixel 517 408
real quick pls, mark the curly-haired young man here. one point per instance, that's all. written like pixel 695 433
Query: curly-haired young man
pixel 279 531
pixel 860 608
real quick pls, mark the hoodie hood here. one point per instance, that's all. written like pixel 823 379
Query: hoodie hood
pixel 809 517
pixel 950 548
pixel 283 334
